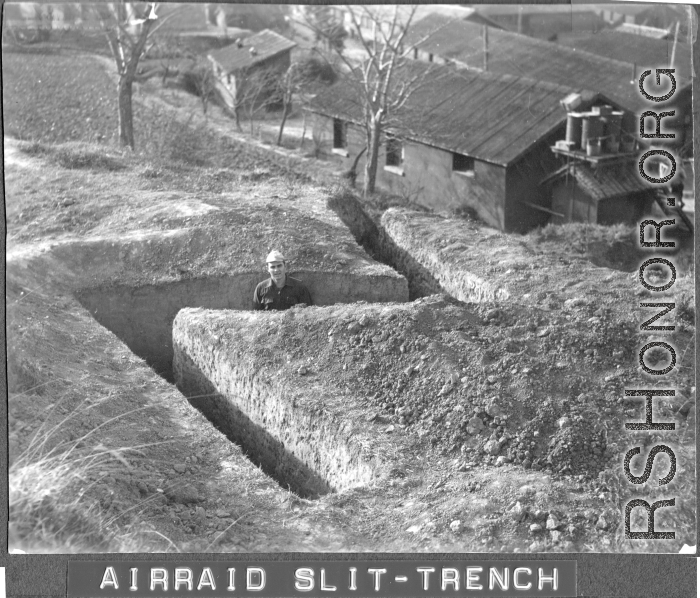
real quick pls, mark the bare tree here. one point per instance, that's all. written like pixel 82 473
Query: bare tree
pixel 128 27
pixel 289 87
pixel 327 27
pixel 256 90
pixel 303 76
pixel 383 86
pixel 203 81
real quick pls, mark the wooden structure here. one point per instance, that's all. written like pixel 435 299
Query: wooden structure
pixel 265 55
pixel 466 141
pixel 603 185
pixel 599 192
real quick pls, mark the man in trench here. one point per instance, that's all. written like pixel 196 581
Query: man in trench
pixel 280 291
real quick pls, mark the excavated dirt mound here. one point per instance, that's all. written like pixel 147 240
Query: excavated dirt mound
pixel 135 467
pixel 547 268
pixel 468 379
pixel 374 396
pixel 583 319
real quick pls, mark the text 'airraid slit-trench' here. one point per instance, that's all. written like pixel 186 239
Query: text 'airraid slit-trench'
pixel 665 307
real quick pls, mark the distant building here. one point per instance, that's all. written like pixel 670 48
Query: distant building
pixel 469 46
pixel 184 17
pixel 382 14
pixel 264 54
pixel 255 17
pixel 544 21
pixel 661 16
pixel 644 51
pixel 186 29
pixel 469 141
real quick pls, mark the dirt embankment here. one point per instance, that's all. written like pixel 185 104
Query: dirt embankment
pixel 579 297
pixel 156 477
pixel 515 385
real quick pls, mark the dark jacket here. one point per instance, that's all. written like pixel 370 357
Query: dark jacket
pixel 268 297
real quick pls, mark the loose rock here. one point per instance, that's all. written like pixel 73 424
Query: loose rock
pixel 184 494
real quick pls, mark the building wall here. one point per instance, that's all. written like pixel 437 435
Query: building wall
pixel 630 209
pixel 235 83
pixel 548 25
pixel 523 185
pixel 427 57
pixel 572 202
pixel 426 176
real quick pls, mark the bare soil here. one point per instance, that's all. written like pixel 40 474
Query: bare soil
pixel 76 390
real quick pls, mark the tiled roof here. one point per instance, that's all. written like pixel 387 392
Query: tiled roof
pixel 515 54
pixel 533 9
pixel 491 117
pixel 384 12
pixel 608 182
pixel 646 52
pixel 183 17
pixel 238 56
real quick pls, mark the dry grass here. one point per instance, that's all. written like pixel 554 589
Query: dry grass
pixel 57 493
pixel 78 155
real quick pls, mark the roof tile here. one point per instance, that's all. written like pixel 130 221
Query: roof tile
pixel 238 56
pixel 607 182
pixel 491 117
pixel 511 53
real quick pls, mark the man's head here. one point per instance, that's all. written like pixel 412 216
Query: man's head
pixel 276 266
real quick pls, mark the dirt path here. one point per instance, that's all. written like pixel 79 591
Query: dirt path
pixel 188 108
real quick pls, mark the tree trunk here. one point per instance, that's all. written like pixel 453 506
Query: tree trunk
pixel 285 114
pixel 126 117
pixel 372 157
pixel 126 82
pixel 303 131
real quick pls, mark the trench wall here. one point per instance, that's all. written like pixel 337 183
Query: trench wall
pixel 382 247
pixel 403 228
pixel 143 316
pixel 312 450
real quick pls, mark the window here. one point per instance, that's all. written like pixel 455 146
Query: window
pixel 394 152
pixel 340 140
pixel 463 164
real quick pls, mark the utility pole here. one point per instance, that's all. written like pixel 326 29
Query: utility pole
pixel 486 48
pixel 675 41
